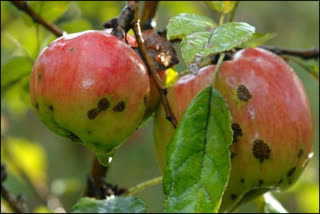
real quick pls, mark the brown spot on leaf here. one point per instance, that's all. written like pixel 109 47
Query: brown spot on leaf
pixel 291 171
pixel 93 113
pixel 120 106
pixel 237 132
pixel 103 104
pixel 261 150
pixel 243 93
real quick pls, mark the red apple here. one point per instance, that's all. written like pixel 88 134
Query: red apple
pixel 272 122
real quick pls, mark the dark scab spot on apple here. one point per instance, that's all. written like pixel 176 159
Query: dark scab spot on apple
pixel 145 99
pixel 237 132
pixel 233 197
pixel 37 105
pixel 51 108
pixel 243 93
pixel 71 49
pixel 73 137
pixel 242 180
pixel 279 182
pixel 260 182
pixel 120 107
pixel 39 76
pixel 89 131
pixel 291 171
pixel 93 113
pixel 233 155
pixel 300 153
pixel 261 150
pixel 103 104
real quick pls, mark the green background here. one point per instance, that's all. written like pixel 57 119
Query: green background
pixel 60 166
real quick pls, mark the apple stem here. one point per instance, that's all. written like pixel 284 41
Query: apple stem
pixel 148 13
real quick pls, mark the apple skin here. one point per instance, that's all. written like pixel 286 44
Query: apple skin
pixel 90 87
pixel 272 122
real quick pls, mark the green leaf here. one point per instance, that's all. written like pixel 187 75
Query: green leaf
pixel 185 24
pixel 49 10
pixel 14 71
pixel 310 66
pixel 192 45
pixel 270 205
pixel 223 38
pixel 221 6
pixel 257 39
pixel 198 161
pixel 111 205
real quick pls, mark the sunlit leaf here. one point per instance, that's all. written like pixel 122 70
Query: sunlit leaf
pixel 257 39
pixel 27 156
pixel 221 6
pixel 172 77
pixel 110 205
pixel 49 10
pixel 76 25
pixel 308 198
pixel 223 38
pixel 198 161
pixel 14 71
pixel 185 24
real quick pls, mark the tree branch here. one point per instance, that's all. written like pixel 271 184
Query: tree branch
pixel 18 205
pixel 148 12
pixel 23 6
pixel 304 54
pixel 143 50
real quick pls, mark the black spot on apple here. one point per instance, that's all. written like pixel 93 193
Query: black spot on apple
pixel 243 93
pixel 103 104
pixel 73 137
pixel 93 113
pixel 242 180
pixel 51 108
pixel 37 105
pixel 237 132
pixel 291 171
pixel 119 107
pixel 233 155
pixel 300 153
pixel 261 150
pixel 39 76
pixel 71 49
pixel 260 182
pixel 233 197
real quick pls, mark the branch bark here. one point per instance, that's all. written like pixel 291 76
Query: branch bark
pixel 143 50
pixel 304 54
pixel 23 6
pixel 148 13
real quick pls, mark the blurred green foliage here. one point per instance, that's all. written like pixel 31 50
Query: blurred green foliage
pixel 57 168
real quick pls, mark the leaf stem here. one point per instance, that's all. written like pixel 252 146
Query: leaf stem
pixel 221 57
pixel 143 185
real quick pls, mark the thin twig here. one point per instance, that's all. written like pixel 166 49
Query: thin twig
pixel 304 54
pixel 148 12
pixel 23 6
pixel 143 185
pixel 142 48
pixel 18 205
